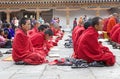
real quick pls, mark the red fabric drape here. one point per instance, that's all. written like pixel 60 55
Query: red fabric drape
pixel 75 35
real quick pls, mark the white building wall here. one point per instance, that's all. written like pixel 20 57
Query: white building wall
pixel 77 14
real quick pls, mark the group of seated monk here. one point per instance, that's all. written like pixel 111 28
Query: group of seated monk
pixel 111 26
pixel 32 46
pixel 86 45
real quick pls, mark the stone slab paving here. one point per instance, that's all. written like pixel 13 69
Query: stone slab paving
pixel 8 70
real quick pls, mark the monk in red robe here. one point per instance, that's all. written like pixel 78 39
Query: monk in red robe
pixel 77 31
pixel 39 41
pixel 105 24
pixel 88 47
pixel 54 27
pixel 59 33
pixel 80 23
pixel 112 22
pixel 115 33
pixel 23 50
pixel 34 29
pixel 114 29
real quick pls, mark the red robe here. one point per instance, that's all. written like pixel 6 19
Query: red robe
pixel 23 50
pixel 37 39
pixel 73 35
pixel 114 29
pixel 73 32
pixel 89 49
pixel 59 33
pixel 112 22
pixel 105 24
pixel 31 32
pixel 115 35
pixel 119 38
pixel 78 32
pixel 39 43
pixel 53 30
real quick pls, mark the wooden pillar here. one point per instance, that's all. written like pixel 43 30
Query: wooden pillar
pixel 67 18
pixel 53 12
pixel 37 14
pixel 97 12
pixel 8 16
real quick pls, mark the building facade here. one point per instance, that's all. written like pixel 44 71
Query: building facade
pixel 66 10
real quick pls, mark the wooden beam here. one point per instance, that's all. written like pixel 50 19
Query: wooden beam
pixel 97 8
pixel 8 15
pixel 67 9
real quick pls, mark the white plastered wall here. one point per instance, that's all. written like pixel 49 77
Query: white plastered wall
pixel 77 14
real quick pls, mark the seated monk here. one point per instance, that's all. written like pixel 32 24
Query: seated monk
pixel 78 33
pixel 114 28
pixel 115 34
pixel 54 27
pixel 112 22
pixel 78 29
pixel 22 47
pixel 39 40
pixel 88 47
pixel 59 34
pixel 34 29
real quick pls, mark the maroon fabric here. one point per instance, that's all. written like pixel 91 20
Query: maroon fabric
pixel 115 35
pixel 37 40
pixel 73 32
pixel 23 50
pixel 31 32
pixel 73 35
pixel 59 33
pixel 39 43
pixel 89 49
pixel 114 29
pixel 119 38
pixel 53 30
pixel 77 33
pixel 105 24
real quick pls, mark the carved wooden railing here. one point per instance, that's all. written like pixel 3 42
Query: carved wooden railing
pixel 58 3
